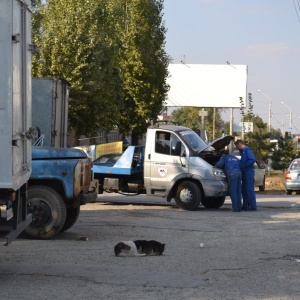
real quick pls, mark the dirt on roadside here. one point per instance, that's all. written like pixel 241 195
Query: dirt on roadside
pixel 275 181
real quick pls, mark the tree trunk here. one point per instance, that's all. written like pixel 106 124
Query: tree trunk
pixel 134 138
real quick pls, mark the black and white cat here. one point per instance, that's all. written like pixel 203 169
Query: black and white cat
pixel 139 248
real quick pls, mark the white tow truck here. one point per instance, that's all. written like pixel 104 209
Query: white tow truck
pixel 174 164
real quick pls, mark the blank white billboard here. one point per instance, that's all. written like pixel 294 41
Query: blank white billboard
pixel 199 85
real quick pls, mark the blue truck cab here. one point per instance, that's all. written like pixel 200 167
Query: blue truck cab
pixel 61 181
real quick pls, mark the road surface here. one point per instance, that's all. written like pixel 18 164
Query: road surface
pixel 246 255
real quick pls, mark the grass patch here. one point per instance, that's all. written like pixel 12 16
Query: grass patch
pixel 275 180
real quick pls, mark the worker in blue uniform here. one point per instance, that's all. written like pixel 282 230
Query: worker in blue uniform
pixel 247 166
pixel 231 165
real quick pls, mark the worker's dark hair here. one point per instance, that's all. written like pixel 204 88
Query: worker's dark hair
pixel 239 142
pixel 225 152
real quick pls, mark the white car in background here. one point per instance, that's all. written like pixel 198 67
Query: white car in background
pixel 259 177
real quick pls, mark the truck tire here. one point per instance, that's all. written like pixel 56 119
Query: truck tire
pixel 213 202
pixel 72 216
pixel 188 195
pixel 263 186
pixel 48 212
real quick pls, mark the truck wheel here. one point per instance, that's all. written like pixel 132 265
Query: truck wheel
pixel 72 216
pixel 263 186
pixel 188 195
pixel 48 211
pixel 213 202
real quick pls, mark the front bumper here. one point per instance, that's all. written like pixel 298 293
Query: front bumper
pixel 87 198
pixel 91 195
pixel 215 188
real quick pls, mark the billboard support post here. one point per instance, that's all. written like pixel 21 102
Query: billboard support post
pixel 203 114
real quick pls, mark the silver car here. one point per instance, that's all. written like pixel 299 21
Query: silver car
pixel 292 177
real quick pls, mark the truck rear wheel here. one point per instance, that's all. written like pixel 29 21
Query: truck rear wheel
pixel 213 202
pixel 48 211
pixel 188 195
pixel 72 216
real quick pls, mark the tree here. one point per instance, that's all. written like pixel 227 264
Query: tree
pixel 112 54
pixel 259 139
pixel 189 117
pixel 36 25
pixel 74 44
pixel 284 153
pixel 143 63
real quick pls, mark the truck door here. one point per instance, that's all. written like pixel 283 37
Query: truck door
pixel 166 161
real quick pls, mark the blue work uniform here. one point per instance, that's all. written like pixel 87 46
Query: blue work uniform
pixel 247 166
pixel 231 165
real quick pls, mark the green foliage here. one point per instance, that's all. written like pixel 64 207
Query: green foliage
pixel 284 153
pixel 112 54
pixel 275 134
pixel 74 45
pixel 258 140
pixel 249 116
pixel 143 63
pixel 36 25
pixel 189 117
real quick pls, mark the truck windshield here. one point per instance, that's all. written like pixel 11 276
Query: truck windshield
pixel 193 141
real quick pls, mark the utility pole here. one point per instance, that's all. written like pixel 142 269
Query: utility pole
pixel 270 109
pixel 290 124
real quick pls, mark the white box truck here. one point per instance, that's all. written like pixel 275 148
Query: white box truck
pixel 50 98
pixel 15 115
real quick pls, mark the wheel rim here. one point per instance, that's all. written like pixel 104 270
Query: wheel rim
pixel 41 213
pixel 186 196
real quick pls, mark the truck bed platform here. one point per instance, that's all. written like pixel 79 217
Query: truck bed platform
pixel 130 162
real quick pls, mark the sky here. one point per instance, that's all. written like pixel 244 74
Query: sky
pixel 262 34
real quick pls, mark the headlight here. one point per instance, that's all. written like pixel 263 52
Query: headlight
pixel 219 173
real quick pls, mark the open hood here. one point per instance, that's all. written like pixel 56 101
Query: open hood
pixel 221 142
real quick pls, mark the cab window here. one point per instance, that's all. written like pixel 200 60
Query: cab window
pixel 167 143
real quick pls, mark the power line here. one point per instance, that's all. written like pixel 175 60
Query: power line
pixel 296 9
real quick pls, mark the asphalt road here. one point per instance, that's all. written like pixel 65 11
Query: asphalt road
pixel 247 255
pixel 264 199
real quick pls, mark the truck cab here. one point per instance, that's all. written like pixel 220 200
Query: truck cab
pixel 179 164
pixel 61 181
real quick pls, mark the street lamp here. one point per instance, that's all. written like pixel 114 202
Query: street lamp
pixel 290 127
pixel 270 109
